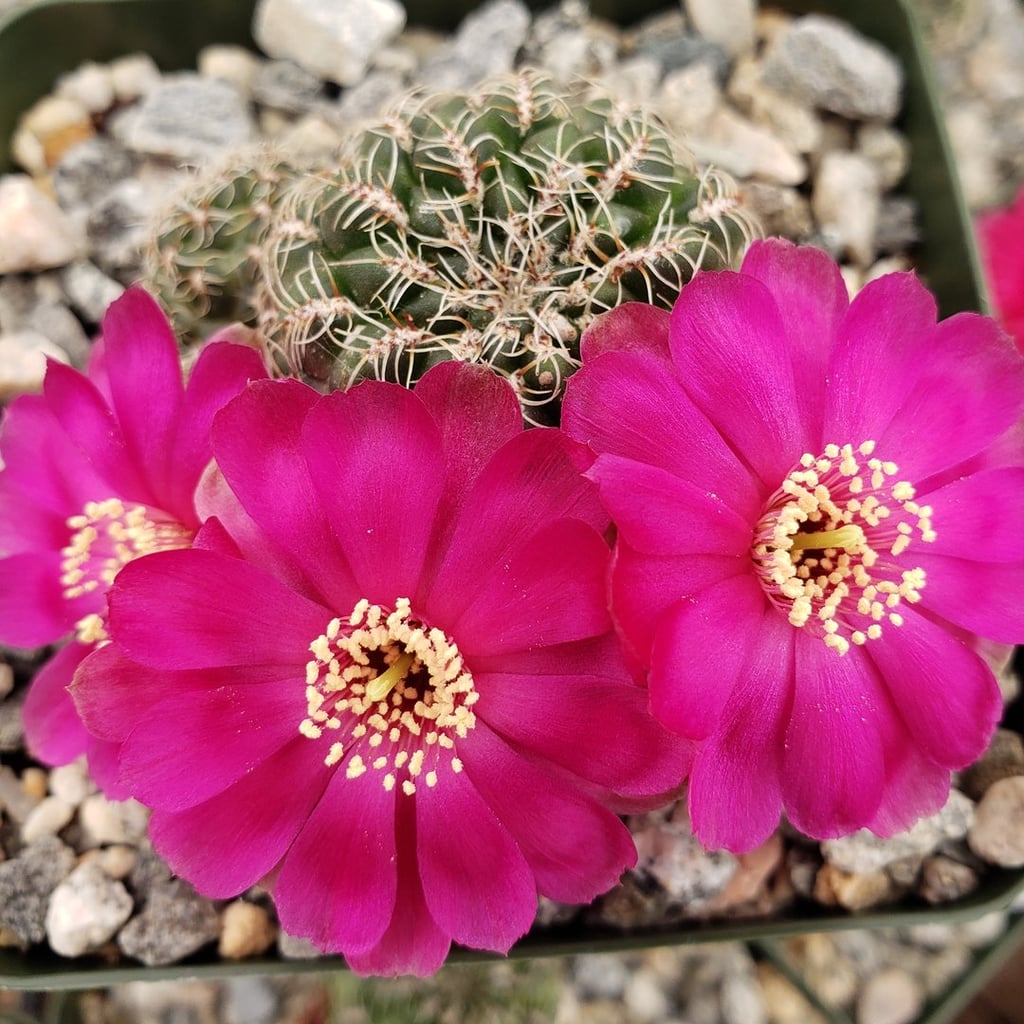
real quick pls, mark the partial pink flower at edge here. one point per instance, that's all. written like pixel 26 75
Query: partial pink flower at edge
pixel 1001 240
pixel 99 469
pixel 801 486
pixel 384 679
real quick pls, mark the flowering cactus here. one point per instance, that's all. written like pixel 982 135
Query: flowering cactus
pixel 492 228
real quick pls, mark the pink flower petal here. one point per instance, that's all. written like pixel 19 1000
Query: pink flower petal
pixel 244 724
pixel 971 365
pixel 732 354
pixel 104 768
pixel 594 727
pixel 986 598
pixel 476 882
pixel 811 294
pixel 114 693
pixel 658 513
pixel 24 525
pixel 885 342
pixel 833 768
pixel 915 786
pixel 644 586
pixel 735 794
pixel 53 731
pixel 246 617
pixel 1002 250
pixel 338 883
pixel 41 460
pixel 625 403
pixel 631 327
pixel 945 693
pixel 145 381
pixel 476 412
pixel 375 452
pixel 533 480
pixel 257 440
pixel 979 517
pixel 91 426
pixel 220 373
pixel 33 609
pixel 583 856
pixel 413 943
pixel 550 591
pixel 699 651
pixel 256 820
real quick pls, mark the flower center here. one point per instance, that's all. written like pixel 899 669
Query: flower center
pixel 825 547
pixel 106 536
pixel 396 689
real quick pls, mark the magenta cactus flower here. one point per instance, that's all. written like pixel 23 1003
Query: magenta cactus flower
pixel 383 682
pixel 1001 239
pixel 820 506
pixel 97 471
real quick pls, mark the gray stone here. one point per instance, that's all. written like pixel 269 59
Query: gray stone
pixel 865 852
pixel 85 911
pixel 174 923
pixel 669 853
pixel 780 210
pixel 944 879
pixel 249 1001
pixel 729 23
pixel 485 43
pixel 689 97
pixel 890 997
pixel 89 170
pixel 333 41
pixel 897 228
pixel 36 233
pixel 369 97
pixel 187 118
pixel 564 40
pixel 89 290
pixel 26 882
pixel 887 149
pixel 36 304
pixel 997 834
pixel 731 142
pixel 680 50
pixel 846 201
pixel 291 947
pixel 118 227
pixel 600 976
pixel 283 85
pixel 825 62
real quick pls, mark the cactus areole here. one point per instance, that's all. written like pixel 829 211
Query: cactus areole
pixel 490 228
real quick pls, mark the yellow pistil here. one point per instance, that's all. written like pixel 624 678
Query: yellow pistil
pixel 825 546
pixel 396 691
pixel 106 536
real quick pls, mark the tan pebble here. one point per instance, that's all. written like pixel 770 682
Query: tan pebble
pixel 854 892
pixel 752 876
pixel 997 834
pixel 71 782
pixel 117 862
pixel 46 819
pixel 59 123
pixel 245 930
pixel 6 679
pixel 9 940
pixel 35 783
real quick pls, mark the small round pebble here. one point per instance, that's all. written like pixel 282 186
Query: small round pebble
pixel 47 819
pixel 997 834
pixel 246 930
pixel 891 997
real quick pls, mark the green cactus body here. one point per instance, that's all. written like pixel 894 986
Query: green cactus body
pixel 205 251
pixel 490 228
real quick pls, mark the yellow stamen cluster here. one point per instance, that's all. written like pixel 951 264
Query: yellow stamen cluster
pixel 396 688
pixel 824 547
pixel 106 536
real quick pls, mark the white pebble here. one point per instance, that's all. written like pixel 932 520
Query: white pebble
pixel 46 819
pixel 71 782
pixel 36 233
pixel 106 821
pixel 86 910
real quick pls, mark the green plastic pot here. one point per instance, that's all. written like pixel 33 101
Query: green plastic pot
pixel 40 42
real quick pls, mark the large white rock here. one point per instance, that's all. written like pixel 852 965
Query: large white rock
pixel 86 910
pixel 330 39
pixel 730 23
pixel 35 234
